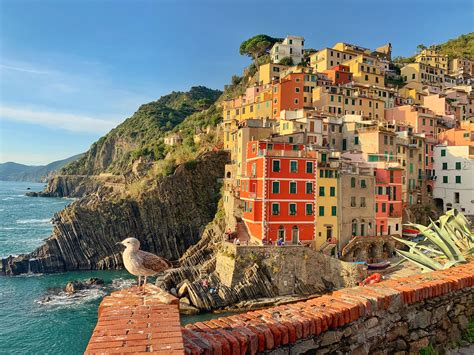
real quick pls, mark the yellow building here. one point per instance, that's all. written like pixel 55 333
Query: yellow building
pixel 413 93
pixel 423 73
pixel 327 58
pixel 326 199
pixel 365 70
pixel 349 100
pixel 270 71
pixel 432 58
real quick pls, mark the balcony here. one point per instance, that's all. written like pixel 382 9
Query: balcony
pixel 287 153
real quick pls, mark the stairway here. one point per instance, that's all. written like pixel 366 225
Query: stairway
pixel 242 232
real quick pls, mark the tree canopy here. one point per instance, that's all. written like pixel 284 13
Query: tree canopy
pixel 257 45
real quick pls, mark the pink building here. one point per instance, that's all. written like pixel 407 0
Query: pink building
pixel 388 200
pixel 422 119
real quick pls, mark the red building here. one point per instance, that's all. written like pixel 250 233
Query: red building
pixel 388 200
pixel 278 191
pixel 339 74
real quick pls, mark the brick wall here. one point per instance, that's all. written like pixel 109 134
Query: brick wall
pixel 402 315
pixel 394 316
pixel 133 323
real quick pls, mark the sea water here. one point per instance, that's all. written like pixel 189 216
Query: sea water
pixel 35 316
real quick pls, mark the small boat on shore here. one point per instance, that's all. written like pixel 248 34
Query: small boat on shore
pixel 379 266
pixel 409 233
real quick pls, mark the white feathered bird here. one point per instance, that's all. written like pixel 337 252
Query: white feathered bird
pixel 141 263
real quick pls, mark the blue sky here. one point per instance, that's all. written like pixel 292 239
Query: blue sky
pixel 70 70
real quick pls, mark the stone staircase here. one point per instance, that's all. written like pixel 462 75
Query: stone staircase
pixel 242 232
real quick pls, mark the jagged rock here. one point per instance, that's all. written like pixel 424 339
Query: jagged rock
pixel 167 220
pixel 186 308
pixel 76 285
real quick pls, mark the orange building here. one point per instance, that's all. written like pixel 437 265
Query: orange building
pixel 288 93
pixel 339 74
pixel 278 190
pixel 459 136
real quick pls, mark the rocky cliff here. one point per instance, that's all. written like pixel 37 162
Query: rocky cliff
pixel 167 218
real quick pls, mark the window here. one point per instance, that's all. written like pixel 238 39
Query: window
pixel 292 209
pixel 353 182
pixel 275 166
pixel 458 165
pixel 332 191
pixel 353 201
pixel 309 167
pixel 323 157
pixel 445 166
pixel 443 152
pixel 295 147
pixel 309 209
pixel 297 90
pixel 276 187
pixel 384 207
pixel 333 211
pixel 293 166
pixel 321 210
pixel 292 187
pixel 376 207
pixel 356 140
pixel 321 173
pixel 321 191
pixel 362 202
pixel 458 179
pixel 456 197
pixel 275 209
pixel 309 187
pixel 363 184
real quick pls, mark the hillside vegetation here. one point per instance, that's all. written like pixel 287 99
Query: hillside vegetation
pixel 460 47
pixel 140 137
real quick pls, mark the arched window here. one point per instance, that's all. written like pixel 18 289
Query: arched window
pixel 354 227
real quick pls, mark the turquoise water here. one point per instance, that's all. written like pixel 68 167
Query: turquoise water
pixel 34 317
pixel 29 324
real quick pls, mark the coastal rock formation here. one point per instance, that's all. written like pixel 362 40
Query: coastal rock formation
pixel 215 274
pixel 79 186
pixel 167 219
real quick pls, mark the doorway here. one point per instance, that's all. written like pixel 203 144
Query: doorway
pixel 294 235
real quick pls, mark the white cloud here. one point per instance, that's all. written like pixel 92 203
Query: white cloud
pixel 24 70
pixel 57 120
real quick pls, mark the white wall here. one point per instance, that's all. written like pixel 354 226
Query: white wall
pixel 446 191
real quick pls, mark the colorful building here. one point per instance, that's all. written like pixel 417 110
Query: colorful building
pixel 339 74
pixel 327 224
pixel 292 47
pixel 432 58
pixel 278 191
pixel 388 199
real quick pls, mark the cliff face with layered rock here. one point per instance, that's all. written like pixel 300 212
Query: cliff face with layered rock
pixel 167 218
pixel 215 274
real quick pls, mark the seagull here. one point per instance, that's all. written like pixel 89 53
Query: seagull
pixel 141 263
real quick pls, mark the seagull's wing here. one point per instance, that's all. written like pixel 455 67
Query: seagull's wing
pixel 153 262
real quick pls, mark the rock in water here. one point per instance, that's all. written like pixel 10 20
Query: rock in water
pixel 76 285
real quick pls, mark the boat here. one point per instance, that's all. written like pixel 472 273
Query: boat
pixel 379 266
pixel 410 233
